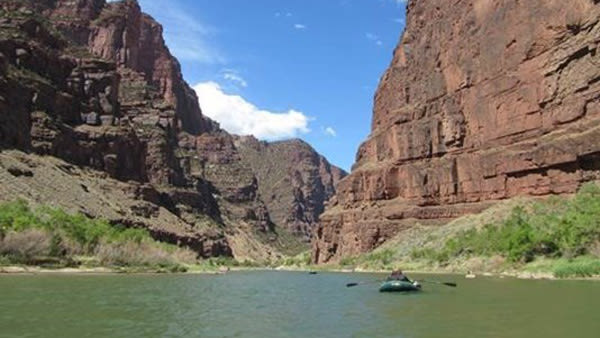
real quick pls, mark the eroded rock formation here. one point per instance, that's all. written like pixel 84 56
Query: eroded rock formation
pixel 93 83
pixel 484 100
pixel 294 181
pixel 78 83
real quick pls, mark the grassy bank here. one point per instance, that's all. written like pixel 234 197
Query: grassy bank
pixel 558 236
pixel 51 238
pixel 555 236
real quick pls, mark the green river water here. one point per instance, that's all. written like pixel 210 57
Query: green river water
pixel 292 304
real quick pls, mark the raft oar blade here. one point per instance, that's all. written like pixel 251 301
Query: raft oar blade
pixel 442 283
pixel 349 285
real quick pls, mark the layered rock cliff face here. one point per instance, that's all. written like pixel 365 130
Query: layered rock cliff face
pixel 93 83
pixel 484 100
pixel 78 83
pixel 295 182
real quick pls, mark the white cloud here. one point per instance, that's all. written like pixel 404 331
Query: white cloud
pixel 399 20
pixel 374 38
pixel 299 26
pixel 330 131
pixel 187 37
pixel 397 2
pixel 233 76
pixel 238 116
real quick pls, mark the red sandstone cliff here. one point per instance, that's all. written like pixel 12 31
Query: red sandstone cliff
pixel 484 100
pixel 120 32
pixel 294 181
pixel 94 84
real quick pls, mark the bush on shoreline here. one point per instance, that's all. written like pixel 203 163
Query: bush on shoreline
pixel 578 267
pixel 556 228
pixel 51 237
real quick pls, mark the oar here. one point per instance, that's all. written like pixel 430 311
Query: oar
pixel 349 285
pixel 443 283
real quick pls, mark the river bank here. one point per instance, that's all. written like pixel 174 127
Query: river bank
pixel 519 274
pixel 214 270
pixel 193 269
pixel 555 238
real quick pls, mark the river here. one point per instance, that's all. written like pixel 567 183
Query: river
pixel 292 304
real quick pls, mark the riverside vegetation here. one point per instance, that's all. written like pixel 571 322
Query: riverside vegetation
pixel 558 236
pixel 53 238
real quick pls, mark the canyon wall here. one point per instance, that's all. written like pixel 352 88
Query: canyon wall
pixel 294 181
pixel 484 100
pixel 93 84
pixel 92 87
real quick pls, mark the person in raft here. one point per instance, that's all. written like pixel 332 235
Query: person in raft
pixel 398 275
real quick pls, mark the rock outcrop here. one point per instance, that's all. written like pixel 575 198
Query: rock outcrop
pixel 294 181
pixel 50 181
pixel 484 100
pixel 93 84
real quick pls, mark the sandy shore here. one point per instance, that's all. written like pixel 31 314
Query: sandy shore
pixel 504 274
pixel 37 270
pixel 224 270
pixel 32 270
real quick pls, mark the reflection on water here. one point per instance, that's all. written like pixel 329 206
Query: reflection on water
pixel 291 304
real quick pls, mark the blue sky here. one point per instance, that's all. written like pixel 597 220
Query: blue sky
pixel 285 68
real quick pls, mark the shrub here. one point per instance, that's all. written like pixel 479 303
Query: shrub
pixel 378 259
pixel 26 246
pixel 581 267
pixel 348 261
pixel 26 234
pixel 553 228
pixel 134 254
pixel 16 216
pixel 302 259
